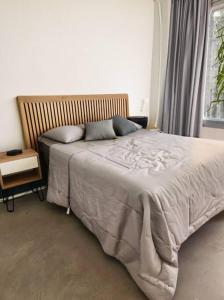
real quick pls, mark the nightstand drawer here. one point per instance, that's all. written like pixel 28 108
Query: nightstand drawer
pixel 19 165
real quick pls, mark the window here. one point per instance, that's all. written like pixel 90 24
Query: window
pixel 214 100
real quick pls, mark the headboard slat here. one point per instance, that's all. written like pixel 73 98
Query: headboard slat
pixel 41 113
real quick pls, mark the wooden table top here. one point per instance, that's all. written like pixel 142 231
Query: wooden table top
pixel 26 153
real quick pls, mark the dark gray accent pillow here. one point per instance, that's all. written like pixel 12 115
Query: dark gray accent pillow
pixel 66 134
pixel 102 130
pixel 122 126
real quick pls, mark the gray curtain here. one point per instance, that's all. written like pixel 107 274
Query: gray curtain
pixel 186 66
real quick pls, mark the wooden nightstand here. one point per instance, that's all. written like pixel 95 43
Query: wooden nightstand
pixel 18 170
pixel 141 120
pixel 155 130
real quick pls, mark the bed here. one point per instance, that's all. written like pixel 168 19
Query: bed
pixel 142 195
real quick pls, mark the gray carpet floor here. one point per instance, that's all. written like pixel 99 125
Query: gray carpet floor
pixel 47 255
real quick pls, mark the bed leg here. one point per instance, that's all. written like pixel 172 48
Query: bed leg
pixel 68 211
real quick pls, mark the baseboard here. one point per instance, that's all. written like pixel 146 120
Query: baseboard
pixel 17 195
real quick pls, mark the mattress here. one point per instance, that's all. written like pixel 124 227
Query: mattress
pixel 142 195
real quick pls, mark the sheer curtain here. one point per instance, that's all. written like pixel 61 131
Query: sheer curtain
pixel 186 66
pixel 217 2
pixel 159 60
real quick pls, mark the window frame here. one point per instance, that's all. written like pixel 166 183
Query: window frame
pixel 210 122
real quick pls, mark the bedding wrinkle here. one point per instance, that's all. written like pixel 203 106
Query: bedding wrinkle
pixel 142 195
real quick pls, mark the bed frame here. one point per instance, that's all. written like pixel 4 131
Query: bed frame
pixel 41 113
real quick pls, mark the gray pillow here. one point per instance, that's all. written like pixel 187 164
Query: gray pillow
pixel 66 134
pixel 123 126
pixel 102 130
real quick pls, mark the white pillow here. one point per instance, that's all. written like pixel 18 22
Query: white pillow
pixel 66 134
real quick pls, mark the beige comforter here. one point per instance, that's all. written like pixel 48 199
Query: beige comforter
pixel 142 195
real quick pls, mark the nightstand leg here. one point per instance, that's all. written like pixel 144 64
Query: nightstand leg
pixel 6 201
pixel 39 192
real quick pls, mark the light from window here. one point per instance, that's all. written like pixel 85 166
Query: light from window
pixel 214 103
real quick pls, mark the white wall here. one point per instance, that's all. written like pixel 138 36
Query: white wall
pixel 72 47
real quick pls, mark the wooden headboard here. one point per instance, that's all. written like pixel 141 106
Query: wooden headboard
pixel 41 113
